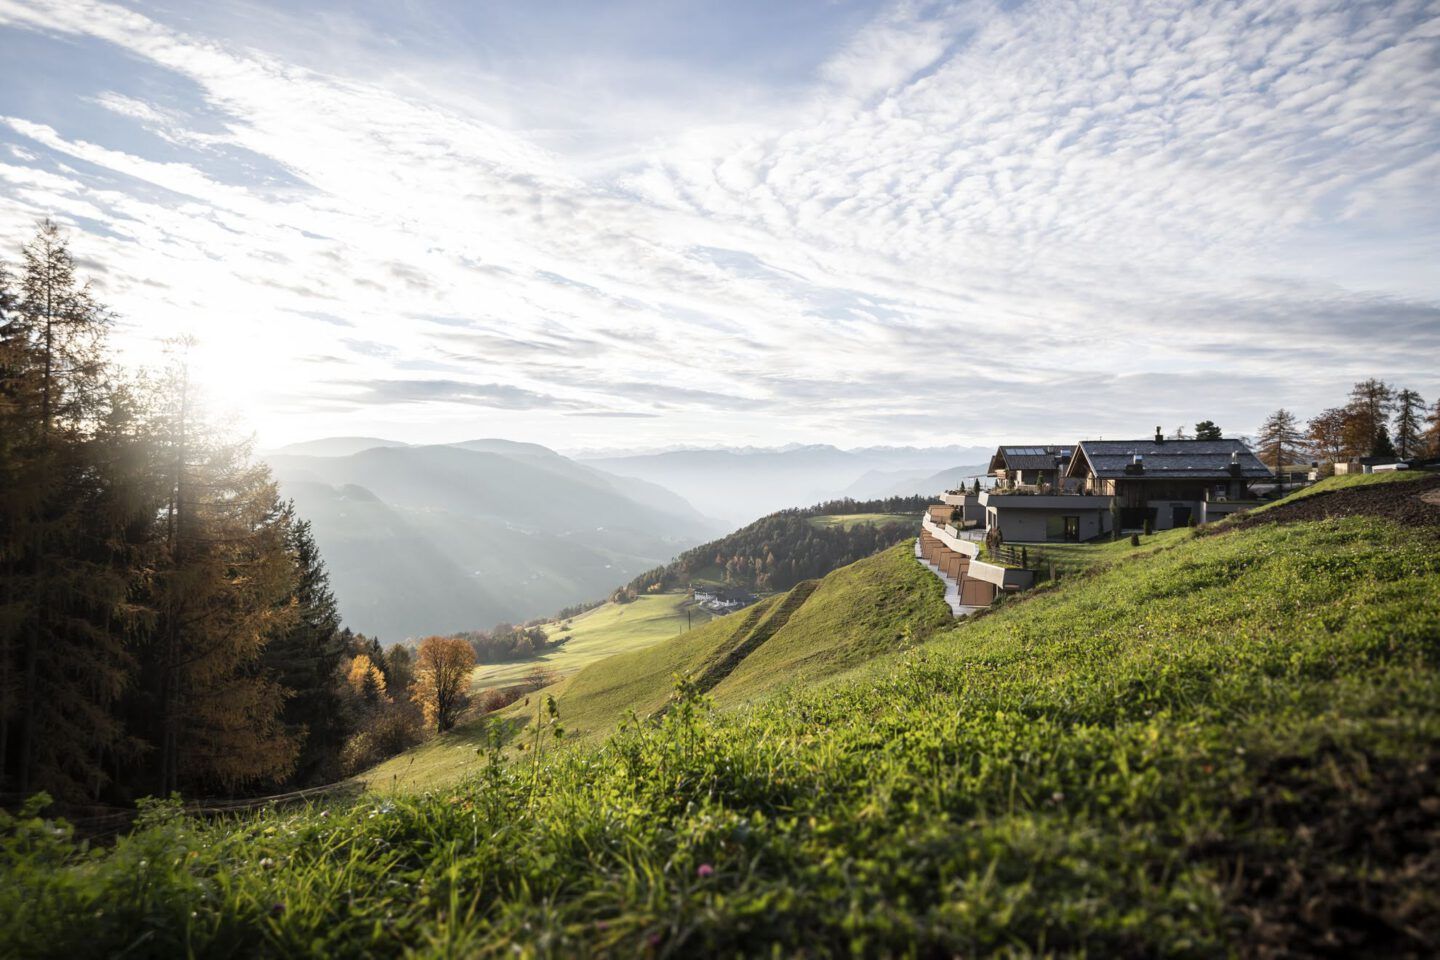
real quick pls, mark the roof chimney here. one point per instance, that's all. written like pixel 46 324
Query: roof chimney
pixel 1234 463
pixel 1159 435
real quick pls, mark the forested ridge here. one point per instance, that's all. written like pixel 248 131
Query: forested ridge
pixel 780 550
pixel 166 621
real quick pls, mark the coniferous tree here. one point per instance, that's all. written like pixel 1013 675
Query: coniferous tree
pixel 305 658
pixel 1432 431
pixel 400 667
pixel 63 588
pixel 1409 412
pixel 1371 402
pixel 1207 430
pixel 221 579
pixel 1383 447
pixel 147 568
pixel 13 351
pixel 1280 438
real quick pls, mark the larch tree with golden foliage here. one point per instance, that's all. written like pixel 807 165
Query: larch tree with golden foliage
pixel 366 679
pixel 442 676
pixel 222 585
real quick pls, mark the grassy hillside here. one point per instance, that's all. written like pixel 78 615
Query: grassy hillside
pixel 865 610
pixel 608 629
pixel 1219 744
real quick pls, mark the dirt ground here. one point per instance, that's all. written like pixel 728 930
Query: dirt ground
pixel 1413 503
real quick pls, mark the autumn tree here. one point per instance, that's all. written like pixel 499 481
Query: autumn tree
pixel 1207 430
pixel 1409 417
pixel 1327 434
pixel 1280 438
pixel 366 680
pixel 1371 403
pixel 442 676
pixel 158 604
pixel 62 650
pixel 223 575
pixel 1432 431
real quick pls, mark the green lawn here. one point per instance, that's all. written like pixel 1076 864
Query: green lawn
pixel 849 520
pixel 1223 745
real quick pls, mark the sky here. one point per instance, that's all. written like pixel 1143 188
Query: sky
pixel 639 224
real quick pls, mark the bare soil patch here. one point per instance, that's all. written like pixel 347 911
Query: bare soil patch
pixel 1413 504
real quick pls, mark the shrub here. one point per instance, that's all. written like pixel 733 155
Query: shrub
pixel 492 700
pixel 1135 539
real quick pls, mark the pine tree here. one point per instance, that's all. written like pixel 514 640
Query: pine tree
pixel 1382 447
pixel 305 658
pixel 1207 430
pixel 1409 411
pixel 1280 438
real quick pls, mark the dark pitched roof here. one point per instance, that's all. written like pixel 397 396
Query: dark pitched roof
pixel 1196 459
pixel 1032 456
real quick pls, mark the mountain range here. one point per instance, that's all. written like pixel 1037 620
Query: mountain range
pixel 435 539
pixel 738 485
pixel 424 539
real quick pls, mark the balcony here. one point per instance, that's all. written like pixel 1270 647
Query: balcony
pixel 951 537
pixel 1011 499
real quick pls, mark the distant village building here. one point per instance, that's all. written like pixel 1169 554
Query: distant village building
pixel 723 599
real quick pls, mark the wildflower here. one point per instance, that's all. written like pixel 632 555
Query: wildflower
pixel 267 863
pixel 1057 797
pixel 276 909
pixel 704 870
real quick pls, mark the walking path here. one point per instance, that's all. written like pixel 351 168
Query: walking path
pixel 952 588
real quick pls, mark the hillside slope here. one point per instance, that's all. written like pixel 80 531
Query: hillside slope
pixel 864 610
pixel 1224 744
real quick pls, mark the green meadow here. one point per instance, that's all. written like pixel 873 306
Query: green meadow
pixel 609 629
pixel 1207 746
pixel 850 520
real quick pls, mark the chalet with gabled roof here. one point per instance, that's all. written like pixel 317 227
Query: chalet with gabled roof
pixel 1168 483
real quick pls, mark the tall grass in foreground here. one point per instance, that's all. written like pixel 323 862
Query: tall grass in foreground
pixel 1230 742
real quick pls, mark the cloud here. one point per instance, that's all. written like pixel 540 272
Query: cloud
pixel 968 219
pixel 497 395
